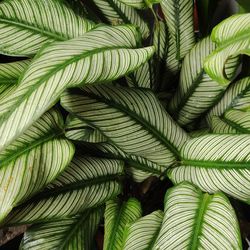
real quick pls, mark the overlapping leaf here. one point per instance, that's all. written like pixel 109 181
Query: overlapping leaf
pixel 197 92
pixel 88 59
pixel 79 130
pixel 33 161
pixel 69 233
pixel 237 96
pixel 117 12
pixel 117 216
pixel 216 163
pixel 9 75
pixel 179 18
pixel 193 220
pixel 233 38
pixel 86 183
pixel 133 121
pixel 142 234
pixel 26 25
pixel 232 122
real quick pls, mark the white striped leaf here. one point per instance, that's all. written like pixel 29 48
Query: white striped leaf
pixel 237 96
pixel 142 234
pixel 26 25
pixel 193 220
pixel 75 233
pixel 166 48
pixel 9 75
pixel 132 119
pixel 86 183
pixel 179 18
pixel 197 133
pixel 232 122
pixel 102 54
pixel 117 12
pixel 196 92
pixel 117 216
pixel 216 163
pixel 33 161
pixel 233 38
pixel 78 130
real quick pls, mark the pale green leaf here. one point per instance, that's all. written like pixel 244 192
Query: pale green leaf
pixel 33 161
pixel 90 58
pixel 117 215
pixel 132 119
pixel 66 234
pixel 233 38
pixel 237 96
pixel 142 234
pixel 9 75
pixel 78 130
pixel 216 163
pixel 87 182
pixel 179 18
pixel 193 220
pixel 232 122
pixel 196 92
pixel 117 12
pixel 26 25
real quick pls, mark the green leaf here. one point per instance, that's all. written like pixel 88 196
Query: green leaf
pixel 33 161
pixel 237 96
pixel 233 38
pixel 196 92
pixel 232 122
pixel 117 12
pixel 179 18
pixel 9 75
pixel 26 25
pixel 193 220
pixel 77 232
pixel 132 119
pixel 78 130
pixel 95 56
pixel 216 163
pixel 142 234
pixel 86 183
pixel 117 216
pixel 139 4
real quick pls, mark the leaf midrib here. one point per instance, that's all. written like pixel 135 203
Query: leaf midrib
pixel 205 200
pixel 136 117
pixel 34 29
pixel 235 125
pixel 29 146
pixel 218 164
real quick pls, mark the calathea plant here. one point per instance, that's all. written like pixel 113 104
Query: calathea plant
pixel 105 97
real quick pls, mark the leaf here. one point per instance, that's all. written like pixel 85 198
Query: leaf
pixel 79 130
pixel 237 96
pixel 216 163
pixel 117 12
pixel 69 233
pixel 139 4
pixel 117 216
pixel 196 92
pixel 84 60
pixel 193 220
pixel 36 23
pixel 132 119
pixel 179 18
pixel 9 74
pixel 233 38
pixel 33 161
pixel 232 122
pixel 87 182
pixel 142 234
